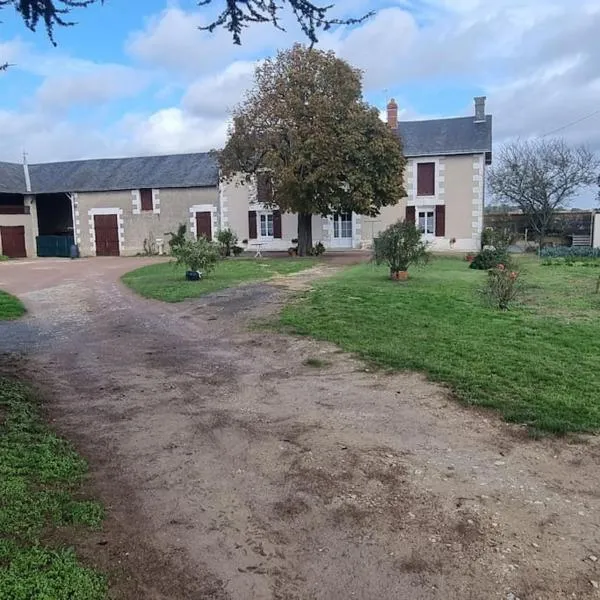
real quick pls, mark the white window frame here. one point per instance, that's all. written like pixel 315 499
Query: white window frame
pixel 259 235
pixel 436 177
pixel 426 209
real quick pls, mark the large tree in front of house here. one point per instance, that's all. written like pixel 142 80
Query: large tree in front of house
pixel 541 177
pixel 305 126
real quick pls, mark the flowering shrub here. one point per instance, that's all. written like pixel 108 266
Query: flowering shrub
pixel 502 286
pixel 489 258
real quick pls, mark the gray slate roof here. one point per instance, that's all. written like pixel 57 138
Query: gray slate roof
pixel 111 174
pixel 12 178
pixel 439 137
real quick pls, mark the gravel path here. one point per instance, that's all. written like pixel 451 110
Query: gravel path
pixel 232 470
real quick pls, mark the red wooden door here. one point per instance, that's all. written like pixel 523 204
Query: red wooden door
pixel 204 225
pixel 107 235
pixel 13 241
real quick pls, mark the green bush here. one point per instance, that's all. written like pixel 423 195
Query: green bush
pixel 400 246
pixel 498 238
pixel 318 249
pixel 2 257
pixel 489 258
pixel 177 239
pixel 237 250
pixel 199 255
pixel 227 240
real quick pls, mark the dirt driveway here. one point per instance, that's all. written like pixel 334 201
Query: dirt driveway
pixel 232 470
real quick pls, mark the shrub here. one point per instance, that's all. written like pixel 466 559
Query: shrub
pixel 489 258
pixel 2 257
pixel 200 255
pixel 177 239
pixel 227 239
pixel 237 250
pixel 400 246
pixel 502 286
pixel 570 252
pixel 318 249
pixel 498 238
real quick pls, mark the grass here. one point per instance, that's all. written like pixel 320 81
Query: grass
pixel 166 281
pixel 40 477
pixel 10 307
pixel 537 364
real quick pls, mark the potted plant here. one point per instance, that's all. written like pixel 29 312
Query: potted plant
pixel 293 250
pixel 199 256
pixel 452 242
pixel 400 246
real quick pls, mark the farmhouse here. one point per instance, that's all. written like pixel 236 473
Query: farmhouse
pixel 124 206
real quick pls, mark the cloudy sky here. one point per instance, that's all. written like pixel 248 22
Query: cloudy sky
pixel 138 77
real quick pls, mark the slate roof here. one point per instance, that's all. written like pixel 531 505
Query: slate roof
pixel 12 178
pixel 111 174
pixel 444 137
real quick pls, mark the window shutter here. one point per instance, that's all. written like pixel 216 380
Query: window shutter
pixel 264 188
pixel 440 220
pixel 252 225
pixel 426 179
pixel 277 224
pixel 146 198
pixel 410 214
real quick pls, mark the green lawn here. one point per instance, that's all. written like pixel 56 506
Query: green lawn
pixel 166 281
pixel 39 476
pixel 10 307
pixel 538 363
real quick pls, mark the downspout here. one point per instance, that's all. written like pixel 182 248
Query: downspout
pixel 26 173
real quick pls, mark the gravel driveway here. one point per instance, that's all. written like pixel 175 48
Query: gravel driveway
pixel 232 470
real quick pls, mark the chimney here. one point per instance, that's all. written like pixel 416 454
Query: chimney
pixel 392 114
pixel 480 109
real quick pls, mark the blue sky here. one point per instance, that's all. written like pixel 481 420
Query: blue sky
pixel 138 77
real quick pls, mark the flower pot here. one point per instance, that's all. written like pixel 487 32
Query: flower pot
pixel 399 275
pixel 193 275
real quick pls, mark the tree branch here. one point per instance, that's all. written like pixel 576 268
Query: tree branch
pixel 238 14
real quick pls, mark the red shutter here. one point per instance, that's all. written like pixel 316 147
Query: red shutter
pixel 146 198
pixel 252 225
pixel 440 220
pixel 264 188
pixel 426 179
pixel 277 224
pixel 410 214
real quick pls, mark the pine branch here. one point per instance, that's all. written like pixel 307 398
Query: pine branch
pixel 238 14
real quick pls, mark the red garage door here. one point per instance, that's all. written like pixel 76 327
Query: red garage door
pixel 107 235
pixel 13 241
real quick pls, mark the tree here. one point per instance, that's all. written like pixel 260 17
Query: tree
pixel 400 246
pixel 541 177
pixel 235 16
pixel 305 125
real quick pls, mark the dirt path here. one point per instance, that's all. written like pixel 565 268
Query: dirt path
pixel 232 470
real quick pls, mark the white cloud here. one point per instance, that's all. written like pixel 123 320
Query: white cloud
pixel 88 83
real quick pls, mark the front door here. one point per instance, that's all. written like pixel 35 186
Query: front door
pixel 204 224
pixel 342 230
pixel 13 241
pixel 426 223
pixel 107 235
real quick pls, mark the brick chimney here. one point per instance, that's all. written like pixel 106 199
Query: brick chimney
pixel 480 109
pixel 392 114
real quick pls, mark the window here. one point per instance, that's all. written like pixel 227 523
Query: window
pixel 427 222
pixel 146 199
pixel 426 179
pixel 342 225
pixel 266 225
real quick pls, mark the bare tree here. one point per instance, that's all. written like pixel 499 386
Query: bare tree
pixel 541 177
